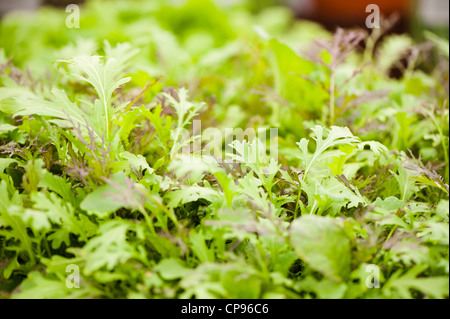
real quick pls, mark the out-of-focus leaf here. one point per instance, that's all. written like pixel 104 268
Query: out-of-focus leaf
pixel 323 244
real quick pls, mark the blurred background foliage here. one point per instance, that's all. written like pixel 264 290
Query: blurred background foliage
pixel 415 15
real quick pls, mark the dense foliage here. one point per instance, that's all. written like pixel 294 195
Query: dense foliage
pixel 93 173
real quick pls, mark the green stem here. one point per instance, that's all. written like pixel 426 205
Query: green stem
pixel 296 203
pixel 175 142
pixel 370 45
pixel 147 218
pixel 107 120
pixel 299 193
pixel 444 147
pixel 332 89
pixel 47 248
pixel 392 231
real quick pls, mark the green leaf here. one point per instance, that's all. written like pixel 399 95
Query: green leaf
pixel 61 213
pixel 336 136
pixel 323 244
pixel 185 111
pixel 36 286
pixel 58 185
pixel 12 265
pixel 199 247
pixel 442 209
pixel 171 269
pixel 102 74
pixel 109 248
pixel 61 108
pixel 190 194
pixel 58 237
pixel 36 219
pixel 138 162
pixel 405 182
pixel 325 289
pixel 5 128
pixel 17 230
pixel 111 196
pixel 388 205
pixel 434 287
pixel 289 69
pixel 5 162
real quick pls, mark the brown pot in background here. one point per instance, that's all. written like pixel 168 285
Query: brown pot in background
pixel 349 13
